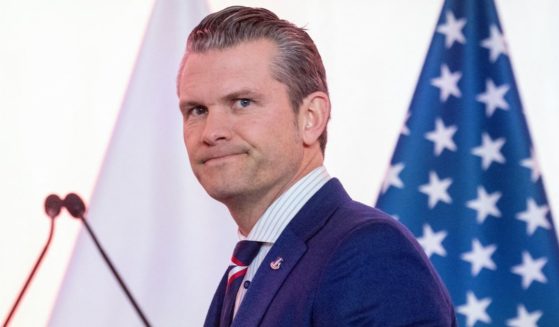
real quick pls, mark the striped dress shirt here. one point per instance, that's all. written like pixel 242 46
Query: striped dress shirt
pixel 272 223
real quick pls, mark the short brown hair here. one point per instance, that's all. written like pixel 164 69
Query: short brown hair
pixel 298 64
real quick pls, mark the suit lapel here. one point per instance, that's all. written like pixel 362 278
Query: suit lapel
pixel 290 247
pixel 214 312
pixel 268 280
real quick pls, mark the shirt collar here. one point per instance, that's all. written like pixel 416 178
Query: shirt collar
pixel 272 223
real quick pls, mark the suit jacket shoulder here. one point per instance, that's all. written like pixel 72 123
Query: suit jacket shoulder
pixel 378 275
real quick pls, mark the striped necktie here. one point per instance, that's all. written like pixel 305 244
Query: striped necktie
pixel 244 253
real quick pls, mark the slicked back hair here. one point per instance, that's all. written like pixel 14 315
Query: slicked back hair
pixel 298 64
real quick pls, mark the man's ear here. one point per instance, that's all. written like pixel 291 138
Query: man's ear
pixel 314 113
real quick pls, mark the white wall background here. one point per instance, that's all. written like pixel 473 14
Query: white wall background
pixel 64 67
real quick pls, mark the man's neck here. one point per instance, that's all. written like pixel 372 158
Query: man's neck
pixel 246 210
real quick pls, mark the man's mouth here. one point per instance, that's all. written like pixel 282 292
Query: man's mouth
pixel 216 158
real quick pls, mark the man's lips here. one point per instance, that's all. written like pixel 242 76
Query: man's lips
pixel 219 156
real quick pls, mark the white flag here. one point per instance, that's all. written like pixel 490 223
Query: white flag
pixel 169 241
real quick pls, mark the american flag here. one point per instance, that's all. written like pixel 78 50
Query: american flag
pixel 465 179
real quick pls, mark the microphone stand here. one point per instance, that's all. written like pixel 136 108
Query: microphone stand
pixel 115 273
pixel 30 277
pixel 76 207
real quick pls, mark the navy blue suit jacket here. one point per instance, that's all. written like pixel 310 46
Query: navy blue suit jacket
pixel 344 264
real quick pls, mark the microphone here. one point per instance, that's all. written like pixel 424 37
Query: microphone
pixel 53 205
pixel 76 207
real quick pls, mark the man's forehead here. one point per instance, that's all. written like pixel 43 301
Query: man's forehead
pixel 219 73
pixel 261 48
pixel 245 63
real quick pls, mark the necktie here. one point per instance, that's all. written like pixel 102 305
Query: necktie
pixel 244 253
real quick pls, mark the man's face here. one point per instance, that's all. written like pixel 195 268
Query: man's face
pixel 240 131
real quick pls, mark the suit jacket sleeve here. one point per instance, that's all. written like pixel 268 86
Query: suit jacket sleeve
pixel 379 276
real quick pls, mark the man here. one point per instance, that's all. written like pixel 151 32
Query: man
pixel 253 94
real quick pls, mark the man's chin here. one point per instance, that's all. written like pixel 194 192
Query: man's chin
pixel 222 195
pixel 217 184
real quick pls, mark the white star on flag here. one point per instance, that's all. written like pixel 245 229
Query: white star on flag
pixel 452 29
pixel 442 137
pixel 393 177
pixel 493 97
pixel 475 310
pixel 489 151
pixel 485 204
pixel 496 43
pixel 447 83
pixel 534 216
pixel 532 164
pixel 436 189
pixel 530 270
pixel 480 257
pixel 525 318
pixel 432 242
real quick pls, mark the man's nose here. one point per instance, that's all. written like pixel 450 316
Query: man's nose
pixel 217 127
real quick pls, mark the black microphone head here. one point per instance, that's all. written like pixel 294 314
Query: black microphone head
pixel 75 205
pixel 53 205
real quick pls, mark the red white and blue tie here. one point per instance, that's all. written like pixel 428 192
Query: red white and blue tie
pixel 244 253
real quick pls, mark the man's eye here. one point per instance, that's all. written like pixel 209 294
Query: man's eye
pixel 196 111
pixel 243 103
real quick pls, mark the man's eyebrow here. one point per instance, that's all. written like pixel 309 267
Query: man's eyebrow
pixel 188 103
pixel 242 93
